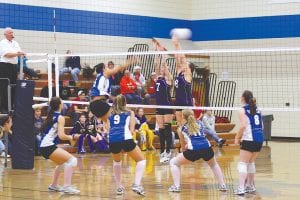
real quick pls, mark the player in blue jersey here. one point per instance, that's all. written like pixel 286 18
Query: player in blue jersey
pixel 183 81
pixel 102 83
pixel 164 117
pixel 196 146
pixel 53 128
pixel 122 123
pixel 250 137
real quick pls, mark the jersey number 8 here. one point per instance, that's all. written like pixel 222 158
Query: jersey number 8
pixel 256 120
pixel 116 119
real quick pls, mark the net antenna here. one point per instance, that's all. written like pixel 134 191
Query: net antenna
pixel 54 31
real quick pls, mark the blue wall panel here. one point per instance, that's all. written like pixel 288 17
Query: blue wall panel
pixel 100 23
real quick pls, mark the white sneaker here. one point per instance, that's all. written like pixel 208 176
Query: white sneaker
pixel 167 157
pixel 120 190
pixel 138 189
pixel 222 188
pixel 162 157
pixel 70 190
pixel 57 188
pixel 239 191
pixel 250 189
pixel 174 188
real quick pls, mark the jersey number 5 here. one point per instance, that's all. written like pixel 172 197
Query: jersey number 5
pixel 116 119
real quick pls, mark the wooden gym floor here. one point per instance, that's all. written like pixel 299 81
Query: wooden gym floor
pixel 278 174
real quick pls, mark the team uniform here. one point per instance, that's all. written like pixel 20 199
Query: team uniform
pixel 120 137
pixel 163 96
pixel 197 145
pixel 183 91
pixel 101 86
pixel 50 139
pixel 252 138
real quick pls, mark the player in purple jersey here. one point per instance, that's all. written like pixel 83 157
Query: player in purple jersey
pixel 183 81
pixel 164 117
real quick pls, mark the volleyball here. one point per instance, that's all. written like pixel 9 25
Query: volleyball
pixel 181 33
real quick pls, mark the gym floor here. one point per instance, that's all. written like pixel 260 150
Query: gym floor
pixel 277 177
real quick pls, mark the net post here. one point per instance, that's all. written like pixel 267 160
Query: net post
pixel 49 62
pixel 56 75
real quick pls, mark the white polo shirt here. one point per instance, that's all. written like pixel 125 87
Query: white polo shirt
pixel 7 46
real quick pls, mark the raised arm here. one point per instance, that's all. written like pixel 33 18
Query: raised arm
pixel 109 72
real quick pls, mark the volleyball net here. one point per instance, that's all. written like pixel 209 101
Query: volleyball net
pixel 219 78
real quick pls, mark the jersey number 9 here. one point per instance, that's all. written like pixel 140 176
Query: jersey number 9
pixel 116 119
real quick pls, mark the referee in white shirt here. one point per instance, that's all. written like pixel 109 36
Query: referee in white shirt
pixel 9 52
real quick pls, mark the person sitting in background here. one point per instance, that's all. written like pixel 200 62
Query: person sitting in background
pixel 208 120
pixel 28 71
pixel 45 90
pixel 65 94
pixel 144 131
pixel 5 128
pixel 38 123
pixel 72 65
pixel 150 89
pixel 128 88
pixel 79 132
pixel 139 79
pixel 95 134
pixel 79 108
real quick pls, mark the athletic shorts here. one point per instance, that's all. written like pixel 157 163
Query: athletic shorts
pixel 160 111
pixel 193 155
pixel 251 146
pixel 47 151
pixel 117 147
pixel 181 104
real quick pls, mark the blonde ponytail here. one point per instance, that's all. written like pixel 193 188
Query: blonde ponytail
pixel 192 124
pixel 119 105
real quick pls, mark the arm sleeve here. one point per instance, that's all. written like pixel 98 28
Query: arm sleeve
pixel 206 123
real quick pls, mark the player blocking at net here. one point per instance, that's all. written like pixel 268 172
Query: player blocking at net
pixel 53 128
pixel 122 123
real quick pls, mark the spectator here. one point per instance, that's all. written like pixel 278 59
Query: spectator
pixel 72 65
pixel 65 94
pixel 38 122
pixel 79 132
pixel 209 122
pixel 5 128
pixel 96 134
pixel 129 88
pixel 139 79
pixel 9 52
pixel 144 131
pixel 45 90
pixel 28 71
pixel 79 109
pixel 150 88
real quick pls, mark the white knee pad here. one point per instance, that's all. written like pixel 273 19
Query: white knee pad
pixel 115 163
pixel 251 168
pixel 72 162
pixel 142 162
pixel 242 167
pixel 174 161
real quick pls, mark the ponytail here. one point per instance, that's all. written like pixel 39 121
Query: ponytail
pixel 192 124
pixel 54 106
pixel 252 106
